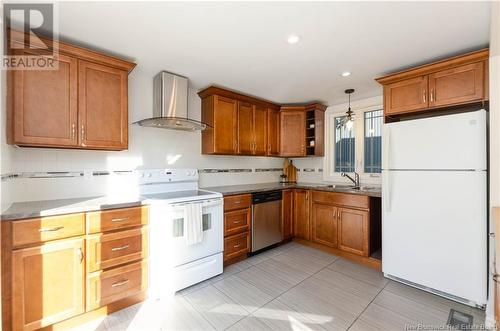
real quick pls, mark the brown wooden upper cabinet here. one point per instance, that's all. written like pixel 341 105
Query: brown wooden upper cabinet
pixel 273 132
pixel 244 125
pixel 252 132
pixel 82 104
pixel 302 130
pixel 220 114
pixel 451 82
pixel 292 131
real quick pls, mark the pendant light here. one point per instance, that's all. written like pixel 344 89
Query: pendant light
pixel 349 120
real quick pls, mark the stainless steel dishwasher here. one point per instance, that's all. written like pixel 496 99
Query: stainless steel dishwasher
pixel 266 219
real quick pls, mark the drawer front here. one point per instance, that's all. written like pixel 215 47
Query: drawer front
pixel 236 245
pixel 237 202
pixel 236 221
pixel 114 219
pixel 112 249
pixel 344 199
pixel 105 287
pixel 37 230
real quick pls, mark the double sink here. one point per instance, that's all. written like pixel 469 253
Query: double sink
pixel 348 187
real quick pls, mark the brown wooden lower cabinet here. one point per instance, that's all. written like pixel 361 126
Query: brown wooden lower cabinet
pixel 237 227
pixel 54 278
pixel 348 222
pixel 324 224
pixel 301 224
pixel 287 214
pixel 47 283
pixel 353 231
pixel 108 286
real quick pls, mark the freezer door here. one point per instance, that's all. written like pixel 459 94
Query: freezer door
pixel 434 230
pixel 445 142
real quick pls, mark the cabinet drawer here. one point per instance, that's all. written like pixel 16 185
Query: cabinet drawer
pixel 104 287
pixel 236 221
pixel 236 245
pixel 114 219
pixel 37 230
pixel 237 202
pixel 344 199
pixel 108 250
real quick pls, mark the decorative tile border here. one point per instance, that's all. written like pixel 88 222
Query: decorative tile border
pixel 73 174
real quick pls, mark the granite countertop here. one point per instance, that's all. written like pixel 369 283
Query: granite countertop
pixel 372 191
pixel 29 209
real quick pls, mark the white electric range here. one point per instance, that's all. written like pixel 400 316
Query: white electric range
pixel 174 265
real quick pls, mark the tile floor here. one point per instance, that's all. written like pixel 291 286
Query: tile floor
pixel 292 287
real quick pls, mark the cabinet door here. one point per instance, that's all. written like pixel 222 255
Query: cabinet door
pixel 102 106
pixel 273 131
pixel 287 213
pixel 225 125
pixel 324 224
pixel 301 223
pixel 406 96
pixel 292 133
pixel 44 105
pixel 47 283
pixel 353 231
pixel 457 85
pixel 260 130
pixel 245 128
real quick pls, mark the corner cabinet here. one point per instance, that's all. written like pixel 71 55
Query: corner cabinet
pixel 83 104
pixel 302 130
pixel 451 82
pixel 243 125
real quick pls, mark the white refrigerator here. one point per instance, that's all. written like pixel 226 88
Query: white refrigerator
pixel 434 202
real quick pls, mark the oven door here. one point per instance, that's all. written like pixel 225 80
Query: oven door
pixel 168 243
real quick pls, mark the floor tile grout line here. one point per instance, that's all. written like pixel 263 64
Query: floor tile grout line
pixel 363 281
pixel 368 305
pixel 212 284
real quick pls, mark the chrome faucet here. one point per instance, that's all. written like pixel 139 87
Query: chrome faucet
pixel 355 180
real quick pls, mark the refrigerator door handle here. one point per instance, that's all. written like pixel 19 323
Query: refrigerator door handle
pixel 386 190
pixel 386 175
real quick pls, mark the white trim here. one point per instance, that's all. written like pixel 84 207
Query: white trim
pixel 359 107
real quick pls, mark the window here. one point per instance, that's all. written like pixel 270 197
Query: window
pixel 344 147
pixel 373 141
pixel 356 149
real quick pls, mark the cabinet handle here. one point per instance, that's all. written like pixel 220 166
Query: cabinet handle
pixel 334 214
pixel 237 245
pixel 122 219
pixel 235 145
pixel 80 254
pixel 432 95
pixel 120 283
pixel 269 148
pixel 423 95
pixel 237 222
pixel 120 248
pixel 56 228
pixel 73 131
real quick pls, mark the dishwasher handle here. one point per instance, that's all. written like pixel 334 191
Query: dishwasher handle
pixel 262 197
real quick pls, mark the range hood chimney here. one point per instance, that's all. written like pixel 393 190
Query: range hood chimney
pixel 170 104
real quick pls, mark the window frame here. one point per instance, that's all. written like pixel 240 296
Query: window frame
pixel 329 173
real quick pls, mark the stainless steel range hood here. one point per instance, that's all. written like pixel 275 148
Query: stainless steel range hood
pixel 170 109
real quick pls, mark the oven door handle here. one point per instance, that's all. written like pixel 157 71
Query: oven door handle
pixel 204 203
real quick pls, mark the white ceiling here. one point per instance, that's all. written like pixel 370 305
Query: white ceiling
pixel 242 45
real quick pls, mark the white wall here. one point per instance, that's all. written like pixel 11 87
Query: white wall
pixel 494 76
pixel 148 148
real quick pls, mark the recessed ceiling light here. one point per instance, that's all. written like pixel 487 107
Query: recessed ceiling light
pixel 293 39
pixel 346 74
